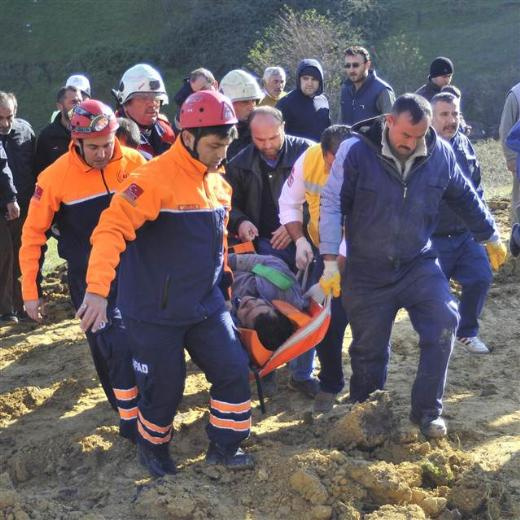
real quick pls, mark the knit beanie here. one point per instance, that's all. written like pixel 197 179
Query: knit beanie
pixel 440 67
pixel 311 71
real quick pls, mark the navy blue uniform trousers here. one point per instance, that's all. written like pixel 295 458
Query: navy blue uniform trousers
pixel 160 369
pixel 466 261
pixel 112 358
pixel 424 292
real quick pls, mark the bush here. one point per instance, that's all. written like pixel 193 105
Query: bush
pixel 306 34
pixel 402 63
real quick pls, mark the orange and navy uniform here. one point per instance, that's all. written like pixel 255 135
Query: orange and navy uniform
pixel 156 139
pixel 74 194
pixel 173 215
pixel 170 220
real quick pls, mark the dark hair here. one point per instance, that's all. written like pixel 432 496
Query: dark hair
pixel 273 329
pixel 417 106
pixel 332 137
pixel 221 131
pixel 357 50
pixel 452 89
pixel 129 130
pixel 60 96
pixel 266 110
pixel 446 97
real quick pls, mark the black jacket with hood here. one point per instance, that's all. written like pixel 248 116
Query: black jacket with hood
pixel 305 116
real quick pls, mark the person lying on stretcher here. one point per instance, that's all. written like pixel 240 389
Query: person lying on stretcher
pixel 258 280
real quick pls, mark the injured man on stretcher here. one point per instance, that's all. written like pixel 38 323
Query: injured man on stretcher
pixel 258 280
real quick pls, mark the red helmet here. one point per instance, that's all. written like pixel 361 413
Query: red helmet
pixel 92 118
pixel 207 108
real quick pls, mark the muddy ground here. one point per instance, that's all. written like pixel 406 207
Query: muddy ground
pixel 61 456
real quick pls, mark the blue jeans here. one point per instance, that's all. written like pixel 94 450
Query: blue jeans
pixel 466 261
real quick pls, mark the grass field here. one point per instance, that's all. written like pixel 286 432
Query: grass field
pixel 46 40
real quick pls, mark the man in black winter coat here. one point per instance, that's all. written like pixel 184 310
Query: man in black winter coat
pixel 54 139
pixel 306 109
pixel 17 145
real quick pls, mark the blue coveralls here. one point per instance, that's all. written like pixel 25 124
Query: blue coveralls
pixel 460 256
pixel 390 262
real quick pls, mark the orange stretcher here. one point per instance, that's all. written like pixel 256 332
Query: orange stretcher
pixel 312 327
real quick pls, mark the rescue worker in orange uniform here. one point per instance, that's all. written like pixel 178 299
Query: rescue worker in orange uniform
pixel 75 189
pixel 170 220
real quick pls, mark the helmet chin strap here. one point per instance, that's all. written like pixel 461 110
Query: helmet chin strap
pixel 196 135
pixel 79 146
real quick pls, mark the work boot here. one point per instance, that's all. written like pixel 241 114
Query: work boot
pixel 431 428
pixel 473 345
pixel 514 241
pixel 10 317
pixel 156 460
pixel 308 387
pixel 230 457
pixel 323 402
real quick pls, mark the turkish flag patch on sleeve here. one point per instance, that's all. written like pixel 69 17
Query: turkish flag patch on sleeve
pixel 132 193
pixel 38 192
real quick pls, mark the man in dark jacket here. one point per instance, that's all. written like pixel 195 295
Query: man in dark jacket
pixel 54 139
pixel 17 139
pixel 395 173
pixel 257 175
pixel 460 256
pixel 306 109
pixel 441 73
pixel 9 210
pixel 363 93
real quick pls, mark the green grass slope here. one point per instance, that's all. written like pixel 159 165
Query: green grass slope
pixel 480 36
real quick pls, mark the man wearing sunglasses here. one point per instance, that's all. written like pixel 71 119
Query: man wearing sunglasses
pixel 74 190
pixel 363 93
pixel 140 96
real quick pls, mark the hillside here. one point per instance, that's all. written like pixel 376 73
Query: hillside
pixel 46 40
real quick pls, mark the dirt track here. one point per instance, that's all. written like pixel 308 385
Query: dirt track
pixel 61 457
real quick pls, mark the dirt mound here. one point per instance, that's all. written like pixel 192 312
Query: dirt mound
pixel 61 456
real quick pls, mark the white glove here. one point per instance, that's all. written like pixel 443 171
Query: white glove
pixel 316 293
pixel 304 253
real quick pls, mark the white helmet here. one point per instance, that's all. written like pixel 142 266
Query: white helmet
pixel 141 78
pixel 80 82
pixel 239 85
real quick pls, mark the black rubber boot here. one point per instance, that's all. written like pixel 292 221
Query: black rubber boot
pixel 156 460
pixel 231 457
pixel 514 241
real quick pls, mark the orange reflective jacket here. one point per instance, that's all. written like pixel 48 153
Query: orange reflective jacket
pixel 173 215
pixel 77 194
